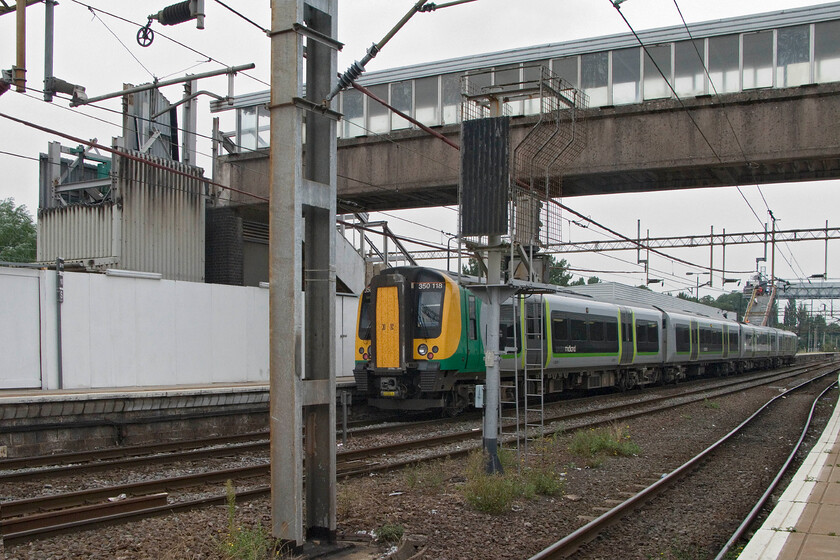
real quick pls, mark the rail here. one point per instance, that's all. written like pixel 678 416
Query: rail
pixel 569 544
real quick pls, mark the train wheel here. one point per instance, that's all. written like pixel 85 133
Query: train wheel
pixel 453 405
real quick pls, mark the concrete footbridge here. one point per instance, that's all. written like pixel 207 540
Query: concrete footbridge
pixel 748 100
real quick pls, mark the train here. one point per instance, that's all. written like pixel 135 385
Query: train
pixel 420 343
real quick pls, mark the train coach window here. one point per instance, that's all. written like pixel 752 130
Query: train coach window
pixel 510 335
pixel 473 326
pixel 596 331
pixel 733 341
pixel 612 332
pixel 647 337
pixel 716 340
pixel 683 338
pixel 578 330
pixel 560 330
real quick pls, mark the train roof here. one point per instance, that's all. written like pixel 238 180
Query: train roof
pixel 622 294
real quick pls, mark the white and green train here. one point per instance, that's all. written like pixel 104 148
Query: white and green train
pixel 420 343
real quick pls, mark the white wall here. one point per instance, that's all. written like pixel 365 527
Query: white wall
pixel 125 332
pixel 20 328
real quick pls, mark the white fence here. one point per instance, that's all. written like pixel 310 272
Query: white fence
pixel 129 332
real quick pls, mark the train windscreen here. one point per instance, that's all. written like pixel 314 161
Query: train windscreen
pixel 364 316
pixel 429 306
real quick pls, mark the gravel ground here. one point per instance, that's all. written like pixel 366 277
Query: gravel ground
pixel 438 513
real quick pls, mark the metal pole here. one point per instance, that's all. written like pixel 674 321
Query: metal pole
pixel 59 299
pixel 491 355
pixel 230 71
pixel 344 399
pixel 723 263
pixel 773 254
pixel 712 257
pixel 20 67
pixel 825 272
pixel 49 26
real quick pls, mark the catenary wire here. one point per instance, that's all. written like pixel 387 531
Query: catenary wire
pixel 95 15
pixel 734 133
pixel 158 33
pixel 252 22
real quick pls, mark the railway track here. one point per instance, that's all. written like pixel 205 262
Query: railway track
pixel 570 544
pixel 357 462
pixel 66 464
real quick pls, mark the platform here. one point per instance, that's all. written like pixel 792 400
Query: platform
pixel 37 422
pixel 805 524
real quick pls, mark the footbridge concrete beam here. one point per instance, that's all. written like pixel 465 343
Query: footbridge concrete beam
pixel 754 137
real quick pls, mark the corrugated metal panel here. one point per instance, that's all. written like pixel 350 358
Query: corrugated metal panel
pixel 77 233
pixel 485 176
pixel 628 295
pixel 162 218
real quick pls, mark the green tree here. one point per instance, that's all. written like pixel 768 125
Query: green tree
pixel 17 233
pixel 789 320
pixel 471 268
pixel 558 272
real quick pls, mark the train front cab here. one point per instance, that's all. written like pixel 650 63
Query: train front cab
pixel 422 335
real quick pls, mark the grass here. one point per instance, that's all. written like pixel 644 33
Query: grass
pixel 243 543
pixel 346 499
pixel 496 493
pixel 428 476
pixel 389 533
pixel 595 444
pixel 711 404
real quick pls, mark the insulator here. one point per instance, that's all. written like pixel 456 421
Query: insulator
pixel 347 79
pixel 175 14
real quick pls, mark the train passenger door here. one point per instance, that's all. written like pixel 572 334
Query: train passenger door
pixel 695 339
pixel 725 341
pixel 628 338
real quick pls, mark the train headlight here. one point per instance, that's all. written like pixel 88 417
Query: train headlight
pixel 422 349
pixel 361 350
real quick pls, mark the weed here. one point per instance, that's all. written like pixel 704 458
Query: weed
pixel 711 404
pixel 681 551
pixel 389 533
pixel 832 534
pixel 495 493
pixel 345 501
pixel 428 476
pixel 239 543
pixel 545 482
pixel 611 440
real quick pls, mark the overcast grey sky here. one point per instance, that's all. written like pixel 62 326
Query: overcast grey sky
pixel 89 54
